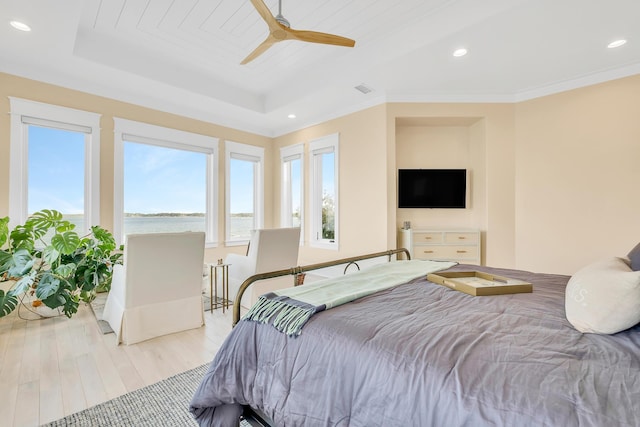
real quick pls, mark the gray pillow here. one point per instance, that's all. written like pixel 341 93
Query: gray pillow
pixel 634 257
pixel 604 297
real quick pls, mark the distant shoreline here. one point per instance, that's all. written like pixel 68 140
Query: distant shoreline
pixel 178 214
pixel 164 215
pixel 168 222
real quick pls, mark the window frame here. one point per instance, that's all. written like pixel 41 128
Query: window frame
pixel 138 132
pixel 318 147
pixel 24 113
pixel 255 154
pixel 287 155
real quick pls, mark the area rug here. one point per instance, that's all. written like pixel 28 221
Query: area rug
pixel 165 403
pixel 97 305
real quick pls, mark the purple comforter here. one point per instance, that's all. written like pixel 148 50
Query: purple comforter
pixel 421 354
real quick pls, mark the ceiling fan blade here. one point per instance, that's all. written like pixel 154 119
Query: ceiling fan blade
pixel 279 30
pixel 265 13
pixel 262 47
pixel 316 37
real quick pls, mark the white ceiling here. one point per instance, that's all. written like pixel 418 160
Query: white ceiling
pixel 183 56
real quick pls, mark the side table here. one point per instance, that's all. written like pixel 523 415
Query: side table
pixel 213 286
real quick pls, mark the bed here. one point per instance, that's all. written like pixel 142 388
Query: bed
pixel 421 354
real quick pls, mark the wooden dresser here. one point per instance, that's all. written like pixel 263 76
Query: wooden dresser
pixel 461 245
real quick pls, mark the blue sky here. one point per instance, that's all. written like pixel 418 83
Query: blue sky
pixel 56 170
pixel 157 179
pixel 295 184
pixel 241 186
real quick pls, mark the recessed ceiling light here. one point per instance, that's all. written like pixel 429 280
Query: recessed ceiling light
pixel 292 116
pixel 616 43
pixel 460 52
pixel 20 26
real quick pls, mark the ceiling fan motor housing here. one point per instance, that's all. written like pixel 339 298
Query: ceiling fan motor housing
pixel 282 20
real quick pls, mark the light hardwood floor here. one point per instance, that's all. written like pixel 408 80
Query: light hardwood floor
pixel 55 367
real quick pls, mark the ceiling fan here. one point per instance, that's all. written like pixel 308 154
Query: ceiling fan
pixel 279 30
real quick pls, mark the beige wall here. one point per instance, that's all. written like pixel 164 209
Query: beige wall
pixel 436 146
pixel 29 89
pixel 553 182
pixel 577 176
pixel 376 141
pixel 480 137
pixel 363 183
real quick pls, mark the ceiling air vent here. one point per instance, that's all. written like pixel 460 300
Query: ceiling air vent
pixel 364 88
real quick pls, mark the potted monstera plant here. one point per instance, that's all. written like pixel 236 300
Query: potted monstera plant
pixel 46 262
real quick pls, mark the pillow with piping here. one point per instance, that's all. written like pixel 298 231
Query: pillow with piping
pixel 603 297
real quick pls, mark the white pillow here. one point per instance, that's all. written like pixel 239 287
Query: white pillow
pixel 604 297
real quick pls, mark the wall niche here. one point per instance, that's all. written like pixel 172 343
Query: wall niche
pixel 444 143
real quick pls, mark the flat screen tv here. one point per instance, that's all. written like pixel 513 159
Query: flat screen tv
pixel 432 188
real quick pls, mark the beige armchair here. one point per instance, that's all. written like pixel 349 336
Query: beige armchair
pixel 269 249
pixel 158 289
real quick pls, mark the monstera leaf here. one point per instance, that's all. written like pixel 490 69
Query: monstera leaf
pixel 50 255
pixel 66 242
pixel 47 257
pixel 18 264
pixel 40 222
pixel 6 261
pixel 65 270
pixel 23 284
pixel 106 241
pixel 8 303
pixel 21 237
pixel 49 285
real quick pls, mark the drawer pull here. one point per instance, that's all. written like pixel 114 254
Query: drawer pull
pixel 427 238
pixel 461 252
pixel 428 252
pixel 461 237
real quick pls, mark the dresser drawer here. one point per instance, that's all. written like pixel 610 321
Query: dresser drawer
pixel 426 237
pixel 452 252
pixel 461 238
pixel 453 244
pixel 461 252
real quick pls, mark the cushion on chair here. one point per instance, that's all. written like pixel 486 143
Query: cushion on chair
pixel 158 290
pixel 270 249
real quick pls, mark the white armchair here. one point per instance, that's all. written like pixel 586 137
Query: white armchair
pixel 269 249
pixel 158 289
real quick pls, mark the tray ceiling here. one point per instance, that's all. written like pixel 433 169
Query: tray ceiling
pixel 184 56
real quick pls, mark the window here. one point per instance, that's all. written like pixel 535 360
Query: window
pixel 324 192
pixel 244 191
pixel 55 163
pixel 165 180
pixel 292 187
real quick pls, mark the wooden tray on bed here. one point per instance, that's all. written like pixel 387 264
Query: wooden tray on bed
pixel 477 283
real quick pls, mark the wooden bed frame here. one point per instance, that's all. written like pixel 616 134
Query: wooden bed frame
pixel 253 416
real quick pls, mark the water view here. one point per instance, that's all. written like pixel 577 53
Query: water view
pixel 240 225
pixel 165 224
pixel 171 223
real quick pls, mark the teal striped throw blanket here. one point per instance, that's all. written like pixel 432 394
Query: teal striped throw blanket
pixel 289 309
